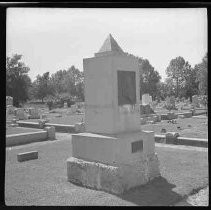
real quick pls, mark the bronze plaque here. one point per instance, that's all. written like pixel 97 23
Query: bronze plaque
pixel 126 87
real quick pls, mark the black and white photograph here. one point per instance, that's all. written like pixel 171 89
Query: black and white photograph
pixel 106 107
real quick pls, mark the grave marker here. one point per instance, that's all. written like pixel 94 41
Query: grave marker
pixel 113 147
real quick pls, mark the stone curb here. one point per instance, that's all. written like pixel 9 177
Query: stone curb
pixel 198 142
pixel 58 127
pixel 23 138
pixel 158 138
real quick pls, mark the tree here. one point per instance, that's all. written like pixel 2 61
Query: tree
pixel 189 83
pixel 43 86
pixel 201 70
pixel 17 79
pixel 74 82
pixel 57 81
pixel 163 89
pixel 175 71
pixel 149 78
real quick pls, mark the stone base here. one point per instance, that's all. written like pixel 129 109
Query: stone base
pixel 116 178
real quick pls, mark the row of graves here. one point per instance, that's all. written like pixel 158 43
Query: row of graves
pixel 147 107
pixel 20 113
pixel 14 113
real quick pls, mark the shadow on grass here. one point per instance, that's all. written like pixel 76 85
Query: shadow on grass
pixel 159 192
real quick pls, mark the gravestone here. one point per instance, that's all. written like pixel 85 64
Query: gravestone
pixel 146 99
pixel 113 154
pixel 21 115
pixel 34 114
pixel 73 108
pixel 65 105
pixel 10 109
pixel 195 101
pixel 150 99
pixel 9 100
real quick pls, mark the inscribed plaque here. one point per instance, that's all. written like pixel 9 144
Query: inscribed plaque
pixel 126 87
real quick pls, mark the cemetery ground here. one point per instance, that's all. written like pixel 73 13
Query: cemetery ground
pixel 188 127
pixel 184 170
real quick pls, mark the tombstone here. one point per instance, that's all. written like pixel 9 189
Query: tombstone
pixel 34 114
pixel 73 108
pixel 20 114
pixel 10 109
pixel 195 101
pixel 113 154
pixel 146 99
pixel 9 100
pixel 65 105
pixel 150 99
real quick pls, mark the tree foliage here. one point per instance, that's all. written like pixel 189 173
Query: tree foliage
pixel 175 71
pixel 42 86
pixel 201 70
pixel 189 85
pixel 183 76
pixel 149 78
pixel 17 79
pixel 62 85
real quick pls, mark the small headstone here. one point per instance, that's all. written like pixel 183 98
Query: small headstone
pixel 195 101
pixel 9 100
pixel 51 132
pixel 20 114
pixel 10 109
pixel 65 105
pixel 73 108
pixel 146 99
pixel 34 114
pixel 27 156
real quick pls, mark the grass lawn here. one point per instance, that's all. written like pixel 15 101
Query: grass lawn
pixel 190 127
pixel 16 130
pixel 65 119
pixel 165 111
pixel 44 181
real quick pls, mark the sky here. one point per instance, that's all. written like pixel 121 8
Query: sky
pixel 51 39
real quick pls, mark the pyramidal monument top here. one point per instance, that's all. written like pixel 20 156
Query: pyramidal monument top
pixel 110 46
